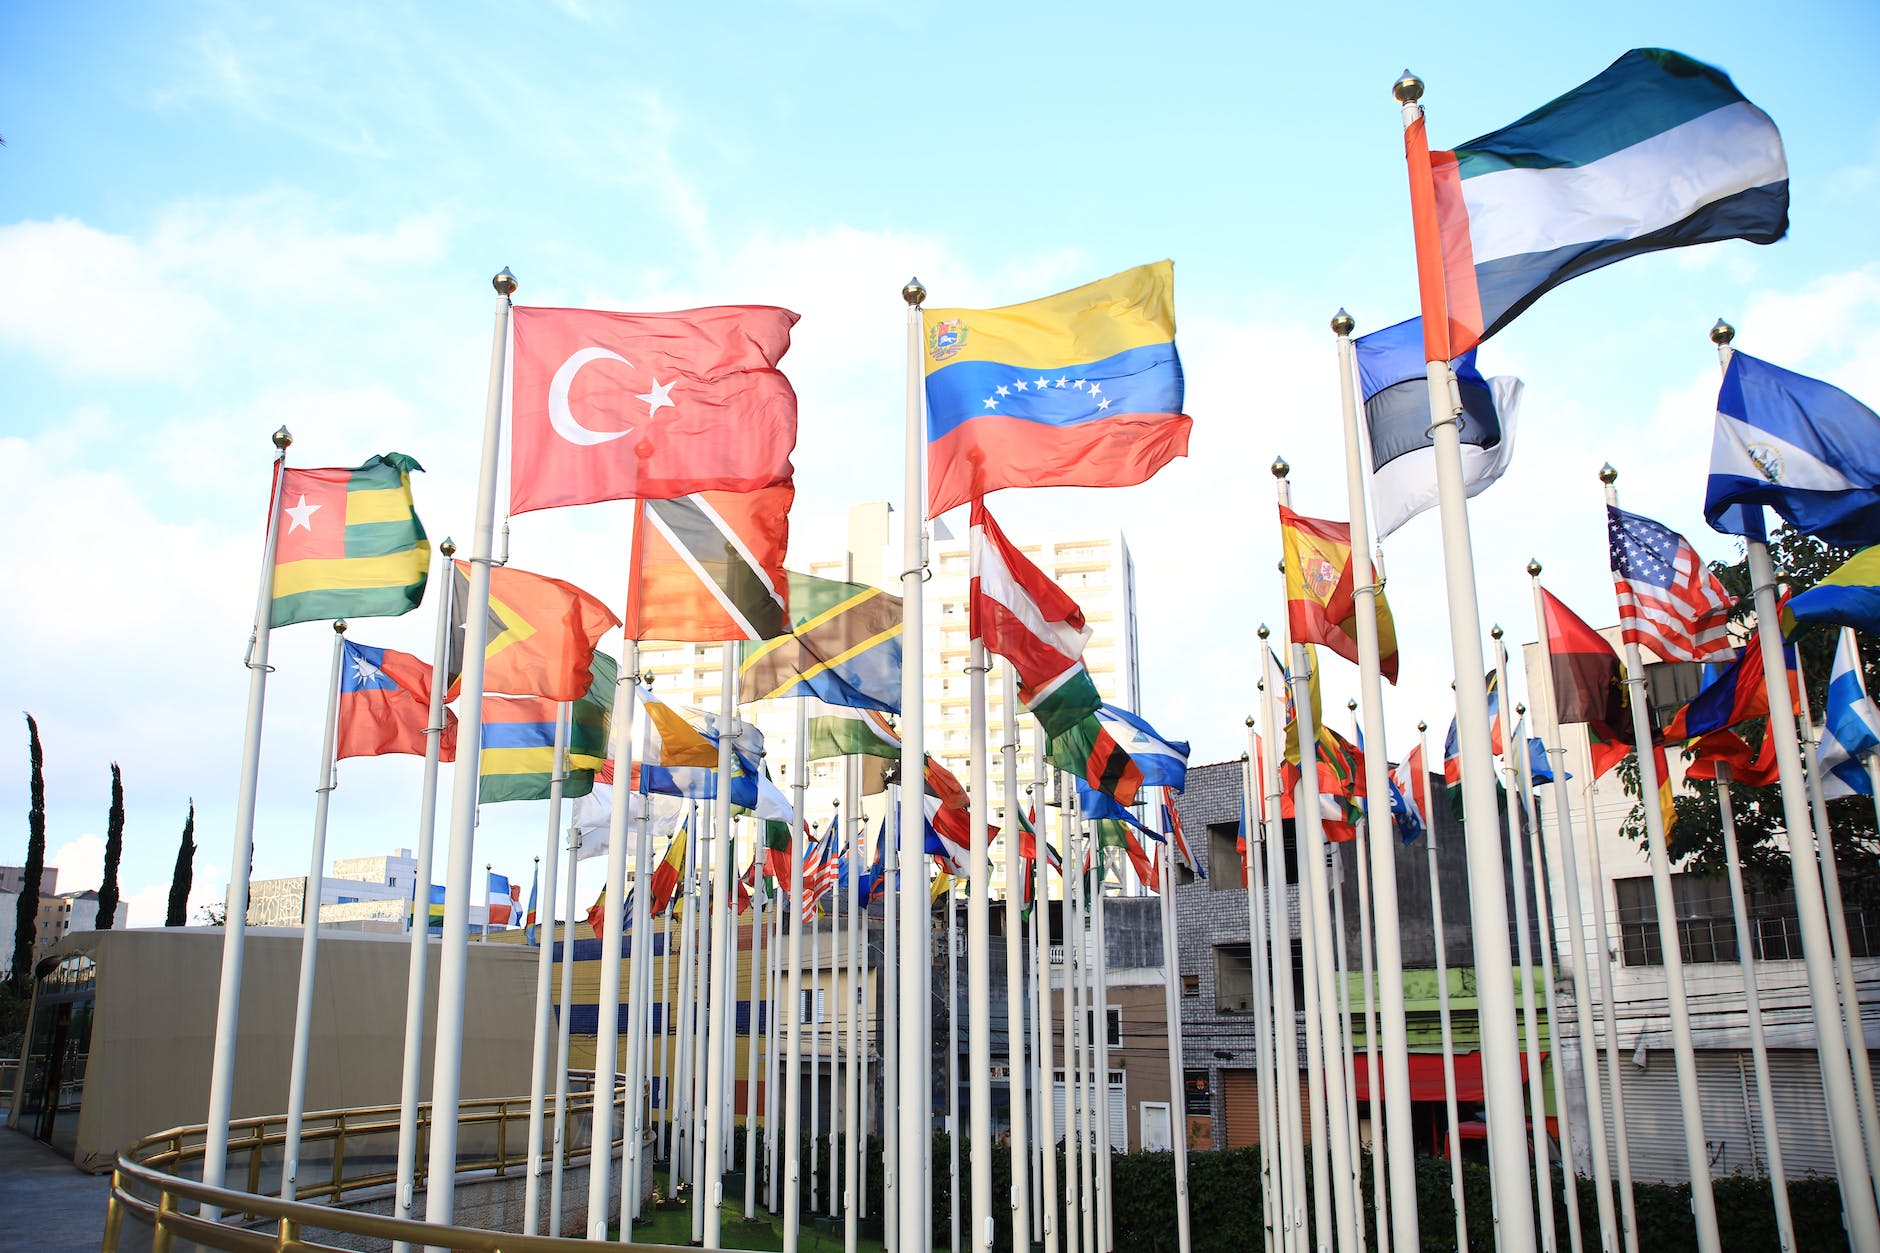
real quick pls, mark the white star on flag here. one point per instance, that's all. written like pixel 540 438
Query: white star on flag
pixel 366 674
pixel 302 514
pixel 659 398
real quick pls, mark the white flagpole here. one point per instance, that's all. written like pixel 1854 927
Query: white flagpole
pixel 1347 1053
pixel 833 1182
pixel 891 898
pixel 1530 1020
pixel 1264 1015
pixel 1488 910
pixel 420 936
pixel 1284 1044
pixel 1100 984
pixel 793 1015
pixel 823 1147
pixel 1394 1154
pixel 1361 867
pixel 235 924
pixel 853 1006
pixel 752 1054
pixel 639 982
pixel 1073 1075
pixel 1752 1004
pixel 1696 1151
pixel 1549 725
pixel 1837 929
pixel 440 1197
pixel 722 990
pixel 489 871
pixel 773 1051
pixel 701 1036
pixel 544 974
pixel 563 1033
pixel 607 1028
pixel 1041 1015
pixel 1077 948
pixel 668 1004
pixel 680 1156
pixel 1017 1073
pixel 815 1049
pixel 1442 995
pixel 1544 912
pixel 953 1074
pixel 310 925
pixel 1319 966
pixel 1171 1005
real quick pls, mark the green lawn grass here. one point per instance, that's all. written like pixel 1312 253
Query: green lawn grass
pixel 674 1227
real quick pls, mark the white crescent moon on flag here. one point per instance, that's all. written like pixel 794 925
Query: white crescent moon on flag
pixel 560 416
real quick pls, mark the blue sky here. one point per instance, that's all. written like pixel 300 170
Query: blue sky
pixel 217 219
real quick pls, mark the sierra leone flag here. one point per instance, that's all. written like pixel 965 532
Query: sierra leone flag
pixel 1659 151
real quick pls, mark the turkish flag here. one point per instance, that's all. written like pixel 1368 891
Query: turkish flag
pixel 619 406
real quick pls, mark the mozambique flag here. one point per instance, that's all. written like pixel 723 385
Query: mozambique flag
pixel 1589 684
pixel 1092 753
pixel 710 567
pixel 542 634
pixel 350 545
pixel 844 648
pixel 1321 606
pixel 518 755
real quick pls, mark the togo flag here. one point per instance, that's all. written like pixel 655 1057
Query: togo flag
pixel 1659 151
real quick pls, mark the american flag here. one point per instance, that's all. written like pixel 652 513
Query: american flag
pixel 1669 601
pixel 819 872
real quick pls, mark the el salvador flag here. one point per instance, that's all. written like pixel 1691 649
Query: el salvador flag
pixel 1850 729
pixel 1805 449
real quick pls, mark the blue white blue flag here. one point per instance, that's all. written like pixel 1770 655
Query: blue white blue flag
pixel 1850 728
pixel 1163 762
pixel 1797 445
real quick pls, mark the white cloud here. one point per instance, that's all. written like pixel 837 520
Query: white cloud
pixel 80 862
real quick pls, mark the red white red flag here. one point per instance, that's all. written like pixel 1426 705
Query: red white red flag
pixel 649 406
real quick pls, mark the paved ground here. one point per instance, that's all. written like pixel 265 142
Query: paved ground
pixel 47 1204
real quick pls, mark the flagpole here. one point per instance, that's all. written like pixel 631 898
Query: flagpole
pixel 829 998
pixel 814 907
pixel 235 922
pixel 544 972
pixel 1342 1014
pixel 1171 1005
pixel 310 925
pixel 1100 981
pixel 1544 914
pixel 953 1076
pixel 852 1003
pixel 1073 1074
pixel 891 898
pixel 1041 1015
pixel 607 1028
pixel 668 997
pixel 1576 940
pixel 793 1020
pixel 1395 1136
pixel 701 1036
pixel 1422 784
pixel 1363 836
pixel 1703 1201
pixel 1015 1016
pixel 722 989
pixel 680 1155
pixel 1488 911
pixel 1078 956
pixel 1313 897
pixel 1530 1021
pixel 773 1050
pixel 440 1196
pixel 420 937
pixel 752 1037
pixel 1264 1020
pixel 562 1035
pixel 1837 927
pixel 489 872
pixel 1284 1042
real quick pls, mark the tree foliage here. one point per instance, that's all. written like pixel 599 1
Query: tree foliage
pixel 26 921
pixel 184 874
pixel 113 853
pixel 1800 561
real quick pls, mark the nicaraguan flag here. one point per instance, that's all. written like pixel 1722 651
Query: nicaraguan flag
pixel 1658 151
pixel 1806 449
pixel 1394 382
pixel 1850 730
pixel 1163 762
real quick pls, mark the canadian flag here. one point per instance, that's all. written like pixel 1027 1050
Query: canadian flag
pixel 618 406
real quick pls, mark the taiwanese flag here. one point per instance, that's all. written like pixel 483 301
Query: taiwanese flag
pixel 1321 606
pixel 622 406
pixel 1589 684
pixel 385 704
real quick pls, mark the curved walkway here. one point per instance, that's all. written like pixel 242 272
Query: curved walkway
pixel 46 1203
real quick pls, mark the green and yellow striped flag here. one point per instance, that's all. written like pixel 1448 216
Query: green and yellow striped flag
pixel 350 545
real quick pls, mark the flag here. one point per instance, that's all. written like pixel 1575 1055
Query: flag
pixel 623 406
pixel 819 872
pixel 1799 446
pixel 1669 601
pixel 710 567
pixel 680 758
pixel 1291 755
pixel 1031 622
pixel 665 877
pixel 1090 753
pixel 1850 728
pixel 840 730
pixel 1321 607
pixel 593 816
pixel 1394 380
pixel 349 543
pixel 385 704
pixel 1162 761
pixel 542 634
pixel 1589 683
pixel 777 850
pixel 597 913
pixel 530 928
pixel 1667 810
pixel 1112 833
pixel 436 908
pixel 1080 389
pixel 1750 767
pixel 1539 770
pixel 1094 806
pixel 1733 695
pixel 1452 770
pixel 949 818
pixel 502 900
pixel 1491 682
pixel 844 648
pixel 1028 844
pixel 1172 829
pixel 1241 848
pixel 1658 151
pixel 1406 797
pixel 1850 596
pixel 518 756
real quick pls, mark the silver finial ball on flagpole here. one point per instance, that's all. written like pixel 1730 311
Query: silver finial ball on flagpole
pixel 1422 727
pixel 504 282
pixel 1722 333
pixel 1408 89
pixel 282 438
pixel 1343 323
pixel 1262 632
pixel 340 626
pixel 1494 632
pixel 1280 468
pixel 1608 475
pixel 1249 719
pixel 915 292
pixel 1243 756
pixel 1519 709
pixel 1534 567
pixel 448 547
pixel 1351 705
pixel 1280 565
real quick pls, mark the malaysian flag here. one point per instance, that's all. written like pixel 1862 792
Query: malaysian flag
pixel 1669 601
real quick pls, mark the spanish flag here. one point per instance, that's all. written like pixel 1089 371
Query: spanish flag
pixel 1321 607
pixel 350 544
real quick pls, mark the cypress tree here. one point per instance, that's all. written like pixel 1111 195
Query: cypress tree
pixel 26 923
pixel 185 872
pixel 113 853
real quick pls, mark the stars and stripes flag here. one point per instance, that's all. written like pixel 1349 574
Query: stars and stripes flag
pixel 819 872
pixel 1669 601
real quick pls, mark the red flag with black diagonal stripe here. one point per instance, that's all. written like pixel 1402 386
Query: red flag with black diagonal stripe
pixel 710 567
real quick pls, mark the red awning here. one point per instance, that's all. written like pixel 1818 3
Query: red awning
pixel 1426 1076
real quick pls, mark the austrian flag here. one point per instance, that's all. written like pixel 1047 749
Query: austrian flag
pixel 1027 619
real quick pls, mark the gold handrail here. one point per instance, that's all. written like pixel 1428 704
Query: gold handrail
pixel 147 1183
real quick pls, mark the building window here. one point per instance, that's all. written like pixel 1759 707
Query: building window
pixel 1191 985
pixel 1224 853
pixel 1233 979
pixel 1197 1093
pixel 1706 929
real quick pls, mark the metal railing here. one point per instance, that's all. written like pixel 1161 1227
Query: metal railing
pixel 157 1181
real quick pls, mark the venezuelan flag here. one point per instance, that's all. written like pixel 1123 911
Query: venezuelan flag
pixel 350 544
pixel 1081 389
